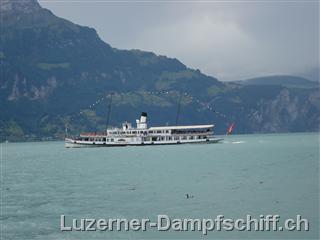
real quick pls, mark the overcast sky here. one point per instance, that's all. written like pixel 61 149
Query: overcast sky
pixel 229 40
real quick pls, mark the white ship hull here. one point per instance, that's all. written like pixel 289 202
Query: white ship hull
pixel 71 143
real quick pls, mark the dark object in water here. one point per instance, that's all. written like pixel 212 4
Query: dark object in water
pixel 189 196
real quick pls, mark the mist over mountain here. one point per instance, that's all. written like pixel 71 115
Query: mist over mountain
pixel 53 71
pixel 281 80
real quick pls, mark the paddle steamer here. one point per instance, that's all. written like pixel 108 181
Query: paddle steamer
pixel 141 135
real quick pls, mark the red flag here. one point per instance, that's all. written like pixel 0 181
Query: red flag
pixel 230 129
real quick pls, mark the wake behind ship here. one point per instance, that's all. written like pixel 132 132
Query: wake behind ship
pixel 142 135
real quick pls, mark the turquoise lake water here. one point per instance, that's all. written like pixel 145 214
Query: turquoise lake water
pixel 247 174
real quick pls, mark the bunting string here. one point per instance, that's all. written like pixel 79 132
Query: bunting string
pixel 208 106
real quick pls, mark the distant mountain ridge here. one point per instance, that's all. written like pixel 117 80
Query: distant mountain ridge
pixel 52 69
pixel 280 80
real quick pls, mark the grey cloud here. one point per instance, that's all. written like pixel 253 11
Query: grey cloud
pixel 229 40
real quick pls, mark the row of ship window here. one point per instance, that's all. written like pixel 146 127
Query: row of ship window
pixel 140 132
pixel 168 138
pixel 178 138
pixel 161 131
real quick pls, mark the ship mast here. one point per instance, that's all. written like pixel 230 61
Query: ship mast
pixel 178 110
pixel 109 112
pixel 65 130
